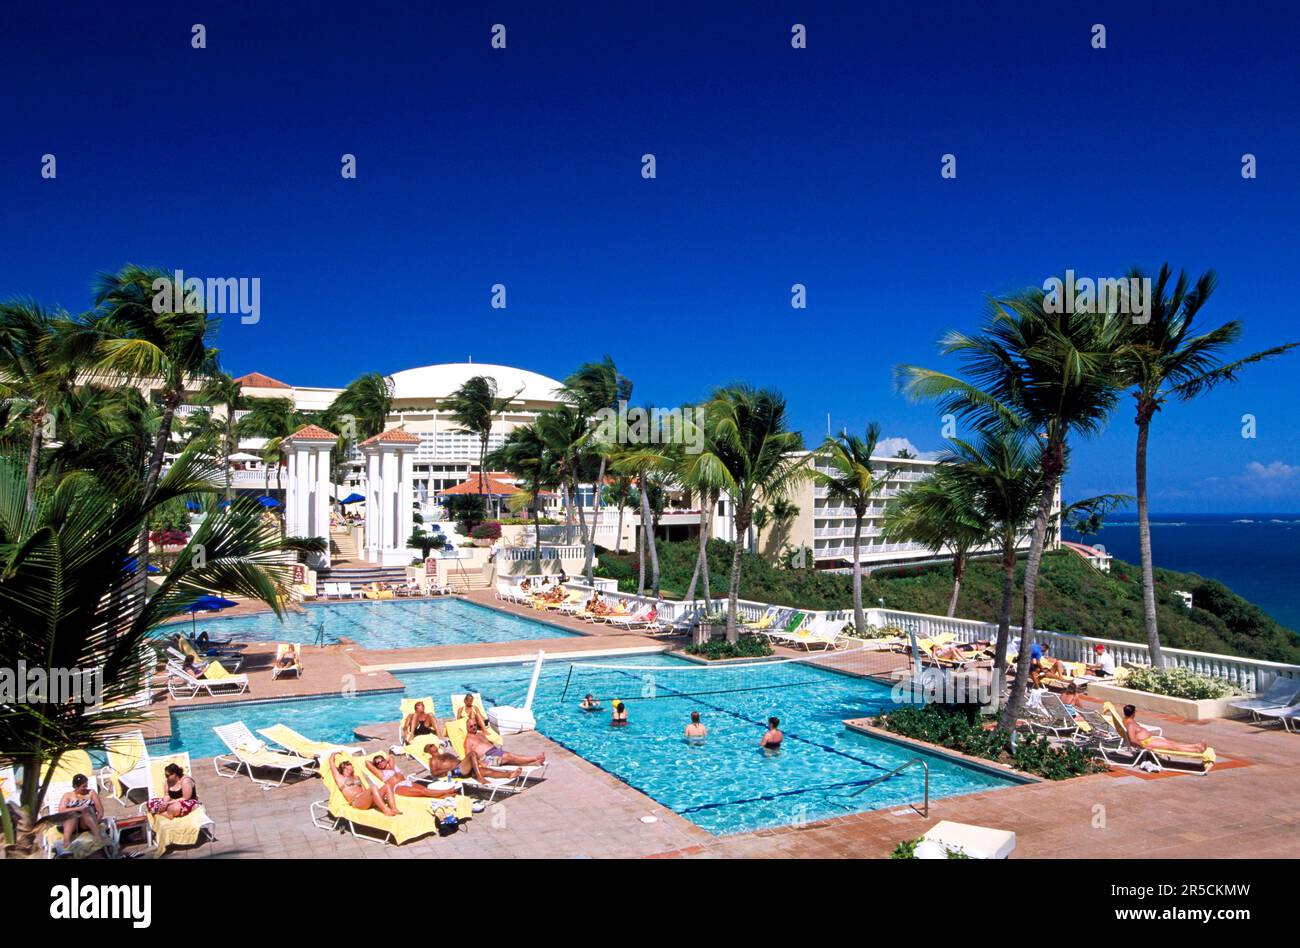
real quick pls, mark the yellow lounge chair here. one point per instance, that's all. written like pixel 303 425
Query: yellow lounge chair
pixel 290 740
pixel 1132 756
pixel 84 843
pixel 281 650
pixel 415 817
pixel 128 764
pixel 416 747
pixel 458 704
pixel 185 830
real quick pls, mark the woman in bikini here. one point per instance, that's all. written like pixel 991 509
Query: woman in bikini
pixel 181 794
pixel 420 722
pixel 85 803
pixel 354 789
pixel 385 770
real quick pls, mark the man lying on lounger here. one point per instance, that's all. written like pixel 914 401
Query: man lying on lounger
pixel 471 768
pixel 478 745
pixel 1143 738
pixel 420 722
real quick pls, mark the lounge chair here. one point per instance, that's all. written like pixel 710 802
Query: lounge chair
pixel 377 591
pixel 182 685
pixel 232 658
pixel 287 739
pixel 416 816
pixel 84 843
pixel 1130 756
pixel 823 632
pixel 1283 693
pixel 182 831
pixel 247 753
pixel 792 625
pixel 128 764
pixel 637 620
pixel 1289 716
pixel 1051 716
pixel 765 622
pixel 281 650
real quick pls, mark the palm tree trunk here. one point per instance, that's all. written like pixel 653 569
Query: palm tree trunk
pixel 859 617
pixel 225 459
pixel 1052 465
pixel 640 574
pixel 568 512
pixel 701 559
pixel 171 399
pixel 707 526
pixel 537 522
pixel 647 518
pixel 589 565
pixel 733 585
pixel 34 454
pixel 618 539
pixel 582 515
pixel 1144 541
pixel 1004 613
pixel 958 571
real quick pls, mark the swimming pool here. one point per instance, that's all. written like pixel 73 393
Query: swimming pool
pixel 725 785
pixel 386 624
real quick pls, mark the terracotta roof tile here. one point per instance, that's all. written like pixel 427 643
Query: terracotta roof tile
pixel 258 380
pixel 311 433
pixel 392 436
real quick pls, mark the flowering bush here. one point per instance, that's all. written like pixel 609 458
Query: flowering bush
pixel 169 538
pixel 1176 683
pixel 491 530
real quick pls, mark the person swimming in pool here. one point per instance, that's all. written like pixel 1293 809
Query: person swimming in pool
pixel 772 737
pixel 619 716
pixel 590 703
pixel 696 731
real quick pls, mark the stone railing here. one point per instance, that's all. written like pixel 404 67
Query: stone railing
pixel 1248 674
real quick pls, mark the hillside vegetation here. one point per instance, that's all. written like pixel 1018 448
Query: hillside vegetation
pixel 1072 597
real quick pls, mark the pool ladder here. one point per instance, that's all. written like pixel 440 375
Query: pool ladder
pixel 899 769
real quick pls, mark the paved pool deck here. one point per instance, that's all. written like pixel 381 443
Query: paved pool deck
pixel 1247 807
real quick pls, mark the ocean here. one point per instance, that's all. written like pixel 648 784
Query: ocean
pixel 1257 556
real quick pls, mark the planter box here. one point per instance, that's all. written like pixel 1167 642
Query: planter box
pixel 1202 710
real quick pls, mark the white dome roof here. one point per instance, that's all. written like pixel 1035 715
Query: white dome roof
pixel 439 381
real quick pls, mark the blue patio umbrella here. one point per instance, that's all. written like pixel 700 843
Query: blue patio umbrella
pixel 268 502
pixel 207 604
pixel 130 566
pixel 352 499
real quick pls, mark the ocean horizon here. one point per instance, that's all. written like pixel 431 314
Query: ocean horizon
pixel 1256 555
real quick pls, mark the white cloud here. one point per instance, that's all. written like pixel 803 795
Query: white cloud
pixel 889 447
pixel 1275 479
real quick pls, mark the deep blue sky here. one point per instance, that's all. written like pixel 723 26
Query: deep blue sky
pixel 775 166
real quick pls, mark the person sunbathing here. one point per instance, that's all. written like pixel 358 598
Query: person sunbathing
pixel 478 743
pixel 467 768
pixel 354 789
pixel 385 770
pixel 420 722
pixel 290 657
pixel 182 794
pixel 90 812
pixel 1141 737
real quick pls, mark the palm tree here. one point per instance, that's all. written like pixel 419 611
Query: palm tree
pixel 474 406
pixel 941 512
pixel 568 437
pixel 1164 360
pixel 366 402
pixel 36 367
pixel 593 387
pixel 756 457
pixel 220 389
pixel 850 481
pixel 274 419
pixel 1001 468
pixel 65 602
pixel 620 494
pixel 1055 374
pixel 526 455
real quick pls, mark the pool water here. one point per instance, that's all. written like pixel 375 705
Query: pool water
pixel 725 785
pixel 386 624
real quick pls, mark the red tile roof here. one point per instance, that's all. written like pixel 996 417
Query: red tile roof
pixel 491 485
pixel 258 380
pixel 312 433
pixel 392 436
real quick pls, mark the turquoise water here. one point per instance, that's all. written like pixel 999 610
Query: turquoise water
pixel 386 624
pixel 725 785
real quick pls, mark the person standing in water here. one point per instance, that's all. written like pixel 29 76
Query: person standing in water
pixel 772 737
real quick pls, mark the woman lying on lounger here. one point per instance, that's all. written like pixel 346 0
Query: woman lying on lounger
pixel 355 791
pixel 385 770
pixel 1143 738
pixel 420 722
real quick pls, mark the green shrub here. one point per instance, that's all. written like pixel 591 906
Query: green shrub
pixel 747 646
pixel 953 728
pixel 1177 683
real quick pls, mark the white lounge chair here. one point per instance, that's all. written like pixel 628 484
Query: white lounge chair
pixel 281 650
pixel 1289 716
pixel 128 764
pixel 248 753
pixel 1283 693
pixel 182 685
pixel 637 620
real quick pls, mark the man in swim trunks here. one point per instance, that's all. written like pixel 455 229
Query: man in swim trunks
pixel 1143 738
pixel 478 744
pixel 420 722
pixel 385 770
pixel 448 765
